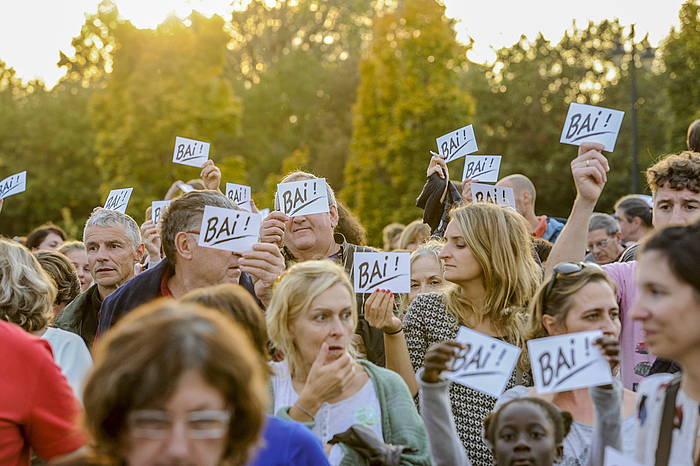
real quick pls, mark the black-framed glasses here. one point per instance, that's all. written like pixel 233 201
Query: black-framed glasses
pixel 566 268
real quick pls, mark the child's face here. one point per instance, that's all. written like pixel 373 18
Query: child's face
pixel 525 437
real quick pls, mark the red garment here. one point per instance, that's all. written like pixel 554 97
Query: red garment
pixel 541 226
pixel 164 290
pixel 37 406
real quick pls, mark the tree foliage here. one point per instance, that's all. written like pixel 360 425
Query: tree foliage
pixel 409 93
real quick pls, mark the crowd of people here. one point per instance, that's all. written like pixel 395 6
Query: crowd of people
pixel 137 345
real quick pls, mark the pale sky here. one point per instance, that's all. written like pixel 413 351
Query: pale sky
pixel 33 31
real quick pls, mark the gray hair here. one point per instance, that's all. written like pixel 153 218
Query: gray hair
pixel 431 249
pixel 300 175
pixel 603 222
pixel 111 218
pixel 185 214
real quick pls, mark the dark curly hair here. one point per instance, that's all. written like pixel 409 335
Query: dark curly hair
pixel 561 420
pixel 679 171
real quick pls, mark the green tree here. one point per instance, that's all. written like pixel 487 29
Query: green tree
pixel 409 94
pixel 165 83
pixel 681 56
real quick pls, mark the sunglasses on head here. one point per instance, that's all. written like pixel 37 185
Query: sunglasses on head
pixel 567 268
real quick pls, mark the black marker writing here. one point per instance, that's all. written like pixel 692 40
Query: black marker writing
pixel 476 363
pixel 10 184
pixel 187 152
pixel 454 144
pixel 588 127
pixel 381 272
pixel 300 198
pixel 229 227
pixel 560 367
pixel 477 168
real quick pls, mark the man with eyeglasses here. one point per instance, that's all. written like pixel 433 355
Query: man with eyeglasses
pixel 675 185
pixel 604 239
pixel 188 266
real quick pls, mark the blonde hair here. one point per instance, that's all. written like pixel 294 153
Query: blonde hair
pixel 500 241
pixel 26 290
pixel 293 293
pixel 415 232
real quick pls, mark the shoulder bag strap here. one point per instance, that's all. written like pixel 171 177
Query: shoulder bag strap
pixel 663 447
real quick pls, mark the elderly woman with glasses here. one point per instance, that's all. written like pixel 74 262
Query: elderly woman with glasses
pixel 175 383
pixel 579 297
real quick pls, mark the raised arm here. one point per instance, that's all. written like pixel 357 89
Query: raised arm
pixel 589 170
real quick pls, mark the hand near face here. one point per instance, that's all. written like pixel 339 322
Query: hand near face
pixel 379 311
pixel 590 170
pixel 272 228
pixel 437 359
pixel 211 175
pixel 327 379
pixel 610 349
pixel 264 263
pixel 467 190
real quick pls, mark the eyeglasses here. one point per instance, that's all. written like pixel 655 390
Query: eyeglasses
pixel 599 244
pixel 157 424
pixel 566 268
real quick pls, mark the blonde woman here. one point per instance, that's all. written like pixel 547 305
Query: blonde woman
pixel 415 234
pixel 27 294
pixel 489 261
pixel 312 318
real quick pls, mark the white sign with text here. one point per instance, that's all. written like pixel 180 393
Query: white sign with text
pixel 482 168
pixel 587 123
pixel 304 197
pixel 240 194
pixel 13 184
pixel 190 152
pixel 457 143
pixel 615 458
pixel 229 229
pixel 118 199
pixel 485 365
pixel 157 209
pixel 382 271
pixel 490 193
pixel 567 362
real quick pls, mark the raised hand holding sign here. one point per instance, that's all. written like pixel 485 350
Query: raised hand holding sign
pixel 13 184
pixel 586 123
pixel 305 197
pixel 382 270
pixel 118 199
pixel 240 194
pixel 228 229
pixel 567 362
pixel 485 365
pixel 457 143
pixel 190 152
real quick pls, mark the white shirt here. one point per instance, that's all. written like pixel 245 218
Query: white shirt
pixel 332 418
pixel 71 355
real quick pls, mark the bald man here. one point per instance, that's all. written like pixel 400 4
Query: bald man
pixel 524 192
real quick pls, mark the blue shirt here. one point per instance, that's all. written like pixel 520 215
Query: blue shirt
pixel 289 443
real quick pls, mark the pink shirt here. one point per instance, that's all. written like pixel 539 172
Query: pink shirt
pixel 636 362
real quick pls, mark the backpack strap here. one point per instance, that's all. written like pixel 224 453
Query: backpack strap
pixel 663 447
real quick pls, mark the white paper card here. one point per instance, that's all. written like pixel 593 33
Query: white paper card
pixel 13 184
pixel 615 458
pixel 567 362
pixel 483 168
pixel 190 152
pixel 264 213
pixel 184 187
pixel 157 209
pixel 382 270
pixel 489 193
pixel 118 199
pixel 457 143
pixel 486 365
pixel 587 123
pixel 240 194
pixel 229 229
pixel 304 197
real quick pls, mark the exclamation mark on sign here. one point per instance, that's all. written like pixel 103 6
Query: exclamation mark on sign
pixel 396 264
pixel 245 228
pixel 607 120
pixel 500 358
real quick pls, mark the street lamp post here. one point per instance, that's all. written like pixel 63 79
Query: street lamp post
pixel 619 54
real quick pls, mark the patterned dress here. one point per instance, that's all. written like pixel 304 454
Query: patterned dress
pixel 427 321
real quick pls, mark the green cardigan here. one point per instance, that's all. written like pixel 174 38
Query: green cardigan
pixel 401 424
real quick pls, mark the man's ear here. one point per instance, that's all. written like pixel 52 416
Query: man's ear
pixel 140 250
pixel 184 245
pixel 333 212
pixel 526 198
pixel 618 237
